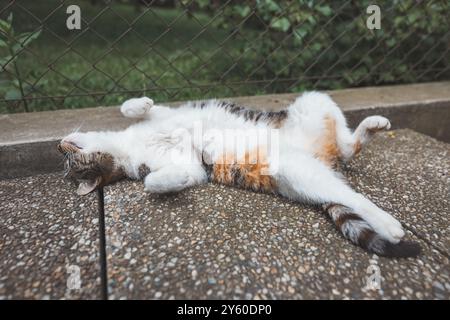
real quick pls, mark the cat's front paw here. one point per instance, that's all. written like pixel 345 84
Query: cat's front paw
pixel 136 107
pixel 155 183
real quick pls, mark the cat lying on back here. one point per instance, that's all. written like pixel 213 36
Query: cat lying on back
pixel 177 148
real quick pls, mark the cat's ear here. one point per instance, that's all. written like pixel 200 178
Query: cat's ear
pixel 86 187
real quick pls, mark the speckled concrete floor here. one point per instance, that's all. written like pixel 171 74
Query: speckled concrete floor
pixel 44 229
pixel 408 174
pixel 218 242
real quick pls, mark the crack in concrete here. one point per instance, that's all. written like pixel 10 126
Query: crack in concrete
pixel 427 241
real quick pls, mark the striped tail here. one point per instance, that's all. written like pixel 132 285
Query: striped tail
pixel 358 231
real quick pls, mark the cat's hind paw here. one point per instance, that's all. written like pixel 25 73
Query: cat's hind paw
pixel 376 123
pixel 389 228
pixel 136 107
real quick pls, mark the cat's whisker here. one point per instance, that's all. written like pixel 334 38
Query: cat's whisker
pixel 79 127
pixel 76 129
pixel 66 164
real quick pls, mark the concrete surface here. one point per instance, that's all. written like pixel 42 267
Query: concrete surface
pixel 217 242
pixel 44 228
pixel 422 107
pixel 408 174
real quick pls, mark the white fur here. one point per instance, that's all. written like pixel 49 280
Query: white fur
pixel 162 143
pixel 136 107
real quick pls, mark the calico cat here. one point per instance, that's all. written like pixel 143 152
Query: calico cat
pixel 298 157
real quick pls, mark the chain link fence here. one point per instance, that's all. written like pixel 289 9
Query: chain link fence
pixel 177 50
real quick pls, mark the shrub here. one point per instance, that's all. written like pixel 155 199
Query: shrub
pixel 326 44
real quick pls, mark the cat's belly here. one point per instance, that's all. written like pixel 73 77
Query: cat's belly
pixel 246 175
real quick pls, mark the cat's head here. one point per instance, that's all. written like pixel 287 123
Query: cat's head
pixel 87 163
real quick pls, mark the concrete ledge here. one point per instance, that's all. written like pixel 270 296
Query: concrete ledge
pixel 27 140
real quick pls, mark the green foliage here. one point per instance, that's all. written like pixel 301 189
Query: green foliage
pixel 217 48
pixel 14 86
pixel 326 44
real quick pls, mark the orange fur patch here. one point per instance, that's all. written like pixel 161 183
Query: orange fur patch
pixel 247 173
pixel 222 169
pixel 357 147
pixel 328 150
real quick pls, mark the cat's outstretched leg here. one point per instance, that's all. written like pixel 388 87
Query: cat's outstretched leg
pixel 174 178
pixel 136 107
pixel 350 144
pixel 362 222
pixel 322 112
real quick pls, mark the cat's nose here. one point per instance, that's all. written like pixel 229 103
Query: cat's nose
pixel 68 146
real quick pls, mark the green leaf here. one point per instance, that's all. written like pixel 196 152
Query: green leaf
pixel 201 3
pixel 301 32
pixel 243 11
pixel 282 24
pixel 272 5
pixel 15 83
pixel 391 42
pixel 26 38
pixel 316 47
pixel 325 10
pixel 312 20
pixel 4 26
